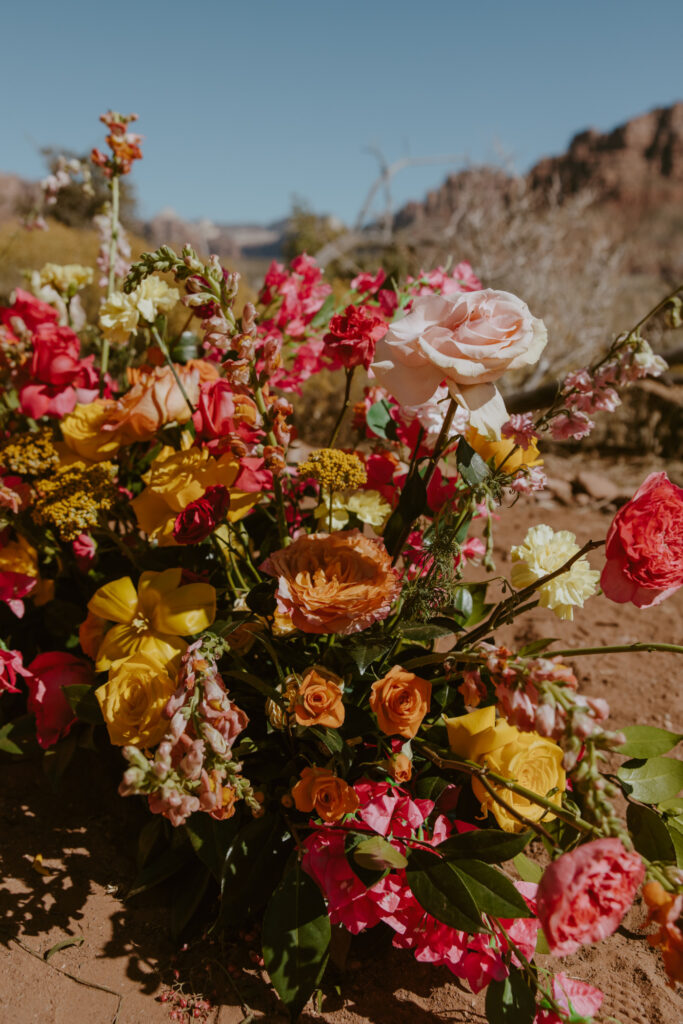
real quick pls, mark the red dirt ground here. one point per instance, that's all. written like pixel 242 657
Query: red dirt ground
pixel 86 838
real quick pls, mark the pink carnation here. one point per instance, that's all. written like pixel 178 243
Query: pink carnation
pixel 521 429
pixel 584 894
pixel 571 426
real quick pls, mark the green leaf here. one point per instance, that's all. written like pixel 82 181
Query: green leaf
pixel 74 940
pixel 676 833
pixel 82 700
pixel 424 632
pixel 185 347
pixel 261 598
pixel 380 421
pixel 324 314
pixel 253 864
pixel 172 860
pixel 643 741
pixel 7 745
pixel 485 844
pixel 528 870
pixel 471 466
pixel 476 606
pixel 210 840
pixel 188 891
pixel 411 505
pixel 493 892
pixel 442 892
pixel 650 835
pixel 511 1001
pixel 329 738
pixel 378 854
pixel 659 778
pixel 296 939
pixel 463 602
pixel 536 646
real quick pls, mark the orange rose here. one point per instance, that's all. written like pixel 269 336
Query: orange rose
pixel 400 767
pixel 400 701
pixel 321 791
pixel 153 400
pixel 319 699
pixel 339 583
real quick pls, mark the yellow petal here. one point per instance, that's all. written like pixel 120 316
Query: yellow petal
pixel 116 601
pixel 240 503
pixel 149 509
pixel 152 586
pixel 477 733
pixel 187 610
pixel 122 641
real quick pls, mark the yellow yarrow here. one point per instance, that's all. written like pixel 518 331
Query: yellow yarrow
pixel 545 551
pixel 73 499
pixel 334 469
pixel 30 454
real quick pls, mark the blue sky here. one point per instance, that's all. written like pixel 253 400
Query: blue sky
pixel 244 105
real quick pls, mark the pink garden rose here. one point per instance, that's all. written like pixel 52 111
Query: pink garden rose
pixel 49 673
pixel 584 894
pixel 645 545
pixel 467 340
pixel 11 665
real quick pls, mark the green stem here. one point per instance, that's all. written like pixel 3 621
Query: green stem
pixel 277 486
pixel 167 356
pixel 113 242
pixel 342 412
pixel 615 649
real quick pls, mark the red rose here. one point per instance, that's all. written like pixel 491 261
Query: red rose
pixel 201 517
pixel 353 336
pixel 29 309
pixel 645 545
pixel 49 673
pixel 215 410
pixel 584 894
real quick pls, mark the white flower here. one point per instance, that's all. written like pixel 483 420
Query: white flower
pixel 154 296
pixel 544 551
pixel 369 506
pixel 119 317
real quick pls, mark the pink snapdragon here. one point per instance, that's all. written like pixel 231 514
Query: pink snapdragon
pixel 571 426
pixel 521 429
pixel 369 284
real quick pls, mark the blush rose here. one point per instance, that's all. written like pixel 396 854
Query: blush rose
pixel 584 894
pixel 645 545
pixel 467 340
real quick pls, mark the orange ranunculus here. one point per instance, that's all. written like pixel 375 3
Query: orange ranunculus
pixel 665 909
pixel 339 583
pixel 319 699
pixel 83 434
pixel 153 619
pixel 400 701
pixel 177 478
pixel 504 453
pixel 321 791
pixel 154 400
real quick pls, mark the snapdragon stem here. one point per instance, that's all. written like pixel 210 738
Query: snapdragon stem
pixel 113 243
pixel 342 412
pixel 277 486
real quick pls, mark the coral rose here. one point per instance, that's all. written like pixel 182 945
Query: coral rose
pixel 467 340
pixel 133 701
pixel 584 894
pixel 400 700
pixel 338 583
pixel 319 699
pixel 321 791
pixel 154 400
pixel 645 545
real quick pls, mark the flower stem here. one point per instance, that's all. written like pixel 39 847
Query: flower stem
pixel 277 486
pixel 113 242
pixel 167 356
pixel 342 412
pixel 616 649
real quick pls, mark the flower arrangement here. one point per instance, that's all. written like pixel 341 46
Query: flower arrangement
pixel 284 643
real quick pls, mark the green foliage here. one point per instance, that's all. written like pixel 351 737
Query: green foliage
pixel 643 741
pixel 654 780
pixel 650 835
pixel 512 1000
pixel 296 939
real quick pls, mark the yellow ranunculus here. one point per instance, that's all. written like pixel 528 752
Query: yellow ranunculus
pixel 528 759
pixel 83 434
pixel 133 701
pixel 500 451
pixel 152 620
pixel 177 478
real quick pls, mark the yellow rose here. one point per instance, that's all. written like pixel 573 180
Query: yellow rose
pixel 83 434
pixel 177 478
pixel 152 620
pixel 530 760
pixel 133 701
pixel 500 452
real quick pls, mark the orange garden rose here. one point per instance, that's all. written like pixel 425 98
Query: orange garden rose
pixel 321 791
pixel 319 699
pixel 400 700
pixel 154 400
pixel 337 583
pixel 400 767
pixel 177 478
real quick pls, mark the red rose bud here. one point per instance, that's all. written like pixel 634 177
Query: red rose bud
pixel 353 336
pixel 201 517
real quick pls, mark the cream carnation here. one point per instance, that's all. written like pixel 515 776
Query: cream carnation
pixel 119 317
pixel 65 277
pixel 154 296
pixel 544 551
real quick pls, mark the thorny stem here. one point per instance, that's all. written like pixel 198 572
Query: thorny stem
pixel 482 772
pixel 534 825
pixel 167 356
pixel 507 607
pixel 113 242
pixel 342 412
